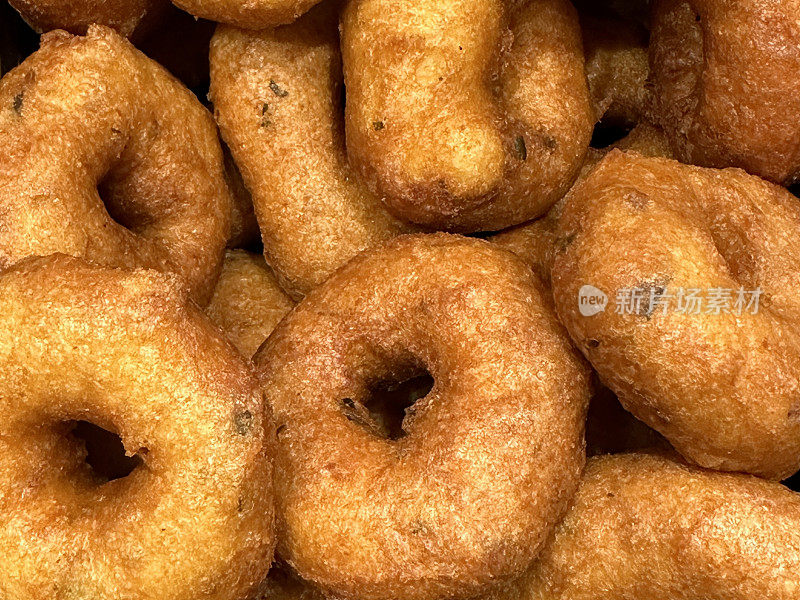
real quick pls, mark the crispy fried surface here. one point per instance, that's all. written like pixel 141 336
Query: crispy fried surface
pixel 75 16
pixel 89 113
pixel 645 527
pixel 723 388
pixel 247 302
pixel 447 507
pixel 723 85
pixel 126 351
pixel 252 14
pixel 466 115
pixel 277 97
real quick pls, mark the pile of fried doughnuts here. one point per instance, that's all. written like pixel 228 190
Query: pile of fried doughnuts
pixel 400 300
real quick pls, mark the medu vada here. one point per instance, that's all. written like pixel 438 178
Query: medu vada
pixel 694 322
pixel 644 527
pixel 484 465
pixel 464 115
pixel 126 351
pixel 247 302
pixel 127 17
pixel 724 92
pixel 107 157
pixel 253 14
pixel 277 98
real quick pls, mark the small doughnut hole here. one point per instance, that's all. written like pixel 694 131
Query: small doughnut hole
pixel 389 403
pixel 105 453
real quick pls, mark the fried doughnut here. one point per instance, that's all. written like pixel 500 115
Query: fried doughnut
pixel 247 302
pixel 469 116
pixel 723 89
pixel 125 16
pixel 534 242
pixel 277 96
pixel 89 113
pixel 645 527
pixel 723 388
pixel 253 14
pixel 127 351
pixel 485 463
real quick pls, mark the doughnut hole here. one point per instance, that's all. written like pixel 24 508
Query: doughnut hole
pixel 105 452
pixel 391 403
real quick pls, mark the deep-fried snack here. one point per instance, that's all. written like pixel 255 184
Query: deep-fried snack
pixel 247 302
pixel 125 16
pixel 616 68
pixel 127 352
pixel 724 90
pixel 466 115
pixel 485 463
pixel 699 336
pixel 646 527
pixel 277 96
pixel 251 14
pixel 534 242
pixel 107 157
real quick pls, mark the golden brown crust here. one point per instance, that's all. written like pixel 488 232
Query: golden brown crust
pixel 253 14
pixel 247 302
pixel 535 242
pixel 75 16
pixel 643 527
pixel 127 351
pixel 277 96
pixel 92 112
pixel 466 115
pixel 723 93
pixel 723 388
pixel 448 507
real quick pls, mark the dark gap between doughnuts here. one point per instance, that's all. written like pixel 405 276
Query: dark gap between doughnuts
pixel 105 453
pixel 607 132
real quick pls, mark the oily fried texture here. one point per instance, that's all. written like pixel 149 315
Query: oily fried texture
pixel 616 68
pixel 643 527
pixel 535 242
pixel 127 351
pixel 466 115
pixel 247 302
pixel 252 14
pixel 125 16
pixel 485 463
pixel 723 388
pixel 724 91
pixel 92 113
pixel 277 98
